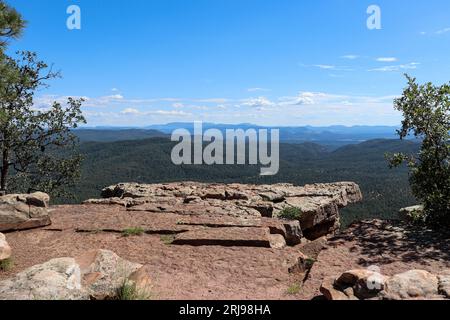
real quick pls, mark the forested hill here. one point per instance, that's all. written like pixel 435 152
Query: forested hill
pixel 148 161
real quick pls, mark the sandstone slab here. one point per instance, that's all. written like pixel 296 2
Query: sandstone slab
pixel 227 237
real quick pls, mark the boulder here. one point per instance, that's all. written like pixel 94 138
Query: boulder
pixel 290 230
pixel 312 249
pixel 24 211
pixel 57 279
pixel 5 249
pixel 366 284
pixel 408 214
pixel 142 283
pixel 103 272
pixel 413 284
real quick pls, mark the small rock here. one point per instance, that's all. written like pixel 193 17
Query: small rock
pixel 350 293
pixel 277 241
pixel 330 292
pixel 104 272
pixel 313 248
pixel 142 282
pixel 407 214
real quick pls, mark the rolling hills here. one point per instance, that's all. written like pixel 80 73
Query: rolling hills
pixel 148 161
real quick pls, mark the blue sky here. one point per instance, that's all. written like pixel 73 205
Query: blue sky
pixel 285 62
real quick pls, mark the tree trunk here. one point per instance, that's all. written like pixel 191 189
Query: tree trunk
pixel 4 172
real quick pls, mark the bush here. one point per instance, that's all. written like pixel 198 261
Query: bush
pixel 133 232
pixel 6 265
pixel 129 291
pixel 294 289
pixel 290 213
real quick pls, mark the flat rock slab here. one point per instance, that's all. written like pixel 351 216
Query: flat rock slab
pixel 116 218
pixel 227 237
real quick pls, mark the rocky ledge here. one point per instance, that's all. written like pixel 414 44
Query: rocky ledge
pixel 238 205
pixel 194 240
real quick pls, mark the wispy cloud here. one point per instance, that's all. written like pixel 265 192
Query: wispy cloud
pixel 136 112
pixel 386 59
pixel 442 31
pixel 350 56
pixel 325 66
pixel 437 32
pixel 396 68
pixel 257 89
pixel 329 67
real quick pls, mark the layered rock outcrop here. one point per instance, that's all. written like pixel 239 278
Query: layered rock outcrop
pixel 242 205
pixel 24 211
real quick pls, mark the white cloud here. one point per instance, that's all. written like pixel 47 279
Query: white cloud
pixel 350 57
pixel 325 66
pixel 303 108
pixel 395 68
pixel 136 112
pixel 129 111
pixel 114 97
pixel 169 113
pixel 178 105
pixel 386 59
pixel 442 31
pixel 257 89
pixel 257 102
pixel 307 98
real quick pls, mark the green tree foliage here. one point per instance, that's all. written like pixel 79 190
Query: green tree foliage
pixel 34 142
pixel 426 112
pixel 11 24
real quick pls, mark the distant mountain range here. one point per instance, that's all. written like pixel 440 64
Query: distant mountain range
pixel 332 136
